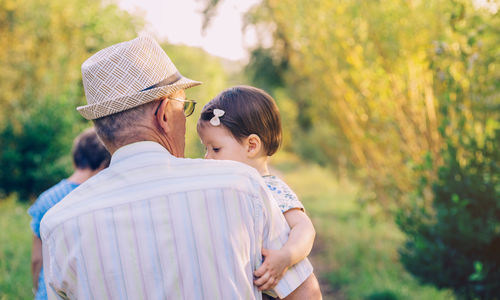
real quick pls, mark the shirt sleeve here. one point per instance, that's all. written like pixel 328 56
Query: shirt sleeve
pixel 283 194
pixel 36 211
pixel 276 232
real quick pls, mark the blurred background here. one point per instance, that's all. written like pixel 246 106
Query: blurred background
pixel 390 112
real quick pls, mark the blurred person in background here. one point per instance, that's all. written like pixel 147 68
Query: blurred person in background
pixel 89 158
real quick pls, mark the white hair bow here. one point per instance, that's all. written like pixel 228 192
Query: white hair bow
pixel 215 121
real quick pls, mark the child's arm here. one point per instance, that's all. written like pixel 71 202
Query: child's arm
pixel 36 261
pixel 298 246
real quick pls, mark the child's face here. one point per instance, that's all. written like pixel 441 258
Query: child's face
pixel 221 144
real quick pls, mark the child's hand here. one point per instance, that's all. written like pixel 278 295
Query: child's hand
pixel 275 264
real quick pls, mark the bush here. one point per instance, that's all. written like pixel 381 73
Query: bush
pixel 40 83
pixel 455 242
pixel 35 146
pixel 385 295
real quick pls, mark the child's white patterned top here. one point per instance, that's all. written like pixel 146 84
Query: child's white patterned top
pixel 283 194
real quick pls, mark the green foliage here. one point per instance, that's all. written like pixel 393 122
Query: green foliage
pixel 34 148
pixel 264 70
pixel 47 42
pixel 40 83
pixel 368 80
pixel 385 295
pixel 453 221
pixel 15 251
pixel 455 242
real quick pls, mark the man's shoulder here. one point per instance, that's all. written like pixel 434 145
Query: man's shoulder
pixel 204 167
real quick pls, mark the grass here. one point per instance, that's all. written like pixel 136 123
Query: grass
pixel 15 250
pixel 355 254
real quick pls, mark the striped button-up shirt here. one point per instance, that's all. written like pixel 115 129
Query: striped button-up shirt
pixel 153 226
pixel 46 200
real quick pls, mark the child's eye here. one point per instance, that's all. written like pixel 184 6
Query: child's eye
pixel 216 150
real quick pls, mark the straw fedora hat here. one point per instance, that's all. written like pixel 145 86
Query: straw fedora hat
pixel 127 75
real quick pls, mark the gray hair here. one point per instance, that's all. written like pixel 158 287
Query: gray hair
pixel 117 129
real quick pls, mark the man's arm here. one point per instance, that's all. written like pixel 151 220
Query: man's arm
pixel 36 261
pixel 309 289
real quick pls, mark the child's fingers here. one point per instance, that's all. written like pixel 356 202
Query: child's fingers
pixel 262 280
pixel 268 285
pixel 260 271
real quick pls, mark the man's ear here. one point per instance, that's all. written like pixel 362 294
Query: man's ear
pixel 253 145
pixel 161 115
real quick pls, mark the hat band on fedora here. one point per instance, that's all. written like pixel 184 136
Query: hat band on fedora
pixel 169 80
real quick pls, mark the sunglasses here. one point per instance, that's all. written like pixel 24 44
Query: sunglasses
pixel 189 106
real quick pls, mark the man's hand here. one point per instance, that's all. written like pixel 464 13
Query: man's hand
pixel 275 264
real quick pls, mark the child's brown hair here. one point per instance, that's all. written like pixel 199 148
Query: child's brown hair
pixel 247 110
pixel 89 152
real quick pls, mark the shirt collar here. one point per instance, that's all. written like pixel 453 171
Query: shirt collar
pixel 134 149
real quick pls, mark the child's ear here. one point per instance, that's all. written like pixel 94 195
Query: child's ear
pixel 254 145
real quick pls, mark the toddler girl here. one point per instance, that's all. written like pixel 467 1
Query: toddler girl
pixel 243 124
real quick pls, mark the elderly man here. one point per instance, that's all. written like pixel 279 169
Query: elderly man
pixel 155 225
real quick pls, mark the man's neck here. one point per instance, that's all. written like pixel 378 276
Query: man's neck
pixel 146 135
